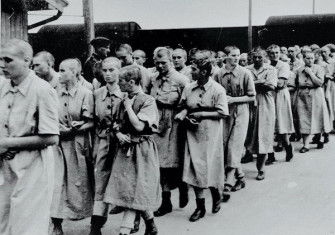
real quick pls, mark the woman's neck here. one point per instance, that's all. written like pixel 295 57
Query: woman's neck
pixel 71 84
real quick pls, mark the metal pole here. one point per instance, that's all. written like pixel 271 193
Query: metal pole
pixel 313 7
pixel 250 27
pixel 89 24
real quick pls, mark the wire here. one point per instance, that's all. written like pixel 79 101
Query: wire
pixel 32 14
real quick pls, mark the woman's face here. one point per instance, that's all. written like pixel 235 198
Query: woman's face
pixel 233 57
pixel 110 72
pixel 309 59
pixel 66 73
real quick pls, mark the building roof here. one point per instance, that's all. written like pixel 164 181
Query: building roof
pixel 35 5
pixel 316 19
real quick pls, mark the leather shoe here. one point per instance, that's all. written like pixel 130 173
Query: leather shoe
pixel 200 211
pixel 247 158
pixel 227 188
pixel 150 227
pixel 225 197
pixel 240 184
pixel 216 198
pixel 271 159
pixel 320 145
pixel 278 148
pixel 303 150
pixel 260 176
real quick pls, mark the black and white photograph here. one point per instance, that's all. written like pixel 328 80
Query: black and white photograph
pixel 169 117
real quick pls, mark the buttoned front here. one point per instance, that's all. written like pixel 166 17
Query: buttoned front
pixel 264 119
pixel 203 163
pixel 107 113
pixel 237 83
pixel 76 194
pixel 167 92
pixel 311 103
pixel 26 110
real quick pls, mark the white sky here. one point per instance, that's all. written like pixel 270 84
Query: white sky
pixel 157 14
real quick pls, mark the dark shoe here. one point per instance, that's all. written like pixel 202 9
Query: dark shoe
pixel 247 158
pixel 216 197
pixel 289 152
pixel 137 222
pixel 183 195
pixel 166 206
pixel 240 184
pixel 150 227
pixel 95 231
pixel 278 148
pixel 260 176
pixel 292 138
pixel 116 210
pixel 325 138
pixel 225 197
pixel 227 188
pixel 200 211
pixel 271 159
pixel 320 145
pixel 57 226
pixel 97 222
pixel 303 150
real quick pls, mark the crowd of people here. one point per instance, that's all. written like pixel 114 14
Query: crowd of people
pixel 113 136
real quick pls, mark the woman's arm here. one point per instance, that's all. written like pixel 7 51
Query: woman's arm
pixel 241 99
pixel 28 142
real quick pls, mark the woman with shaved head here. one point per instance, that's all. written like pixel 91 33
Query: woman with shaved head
pixel 73 199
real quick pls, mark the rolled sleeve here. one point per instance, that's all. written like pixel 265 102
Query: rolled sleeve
pixel 149 114
pixel 250 85
pixel 88 105
pixel 48 122
pixel 222 103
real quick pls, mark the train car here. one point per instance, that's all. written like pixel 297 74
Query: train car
pixel 66 41
pixel 298 30
pixel 69 41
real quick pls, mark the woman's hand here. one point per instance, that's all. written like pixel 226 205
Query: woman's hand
pixel 77 124
pixel 3 149
pixel 196 115
pixel 123 139
pixel 181 116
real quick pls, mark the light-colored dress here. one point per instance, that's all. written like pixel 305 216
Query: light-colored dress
pixel 327 92
pixel 73 198
pixel 26 191
pixel 204 162
pixel 330 92
pixel 265 114
pixel 237 83
pixel 311 103
pixel 167 91
pixel 284 116
pixel 187 72
pixel 107 112
pixel 134 181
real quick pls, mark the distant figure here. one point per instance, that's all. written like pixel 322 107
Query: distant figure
pixel 243 60
pixel 220 58
pixel 125 54
pixel 101 49
pixel 283 50
pixel 43 65
pixel 139 57
pixel 179 58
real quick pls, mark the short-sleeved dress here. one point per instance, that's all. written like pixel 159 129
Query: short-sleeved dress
pixel 107 113
pixel 311 104
pixel 204 162
pixel 265 115
pixel 134 181
pixel 330 90
pixel 167 91
pixel 74 198
pixel 284 116
pixel 238 82
pixel 26 191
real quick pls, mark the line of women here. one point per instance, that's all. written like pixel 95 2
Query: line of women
pixel 182 133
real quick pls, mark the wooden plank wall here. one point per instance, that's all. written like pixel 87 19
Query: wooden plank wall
pixel 13 24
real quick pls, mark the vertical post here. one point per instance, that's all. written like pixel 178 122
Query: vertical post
pixel 313 11
pixel 0 21
pixel 89 23
pixel 250 27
